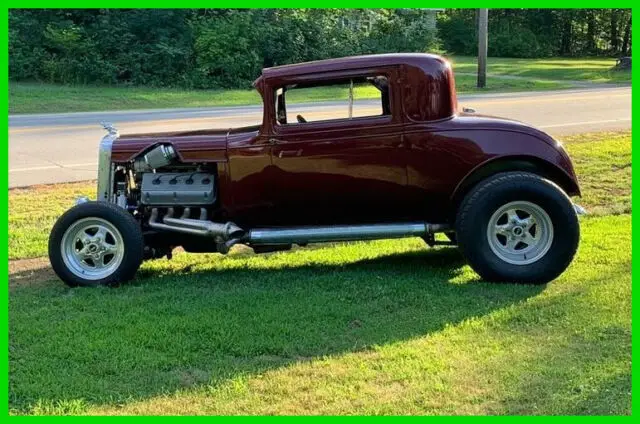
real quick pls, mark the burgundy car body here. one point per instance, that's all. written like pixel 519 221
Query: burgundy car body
pixel 414 164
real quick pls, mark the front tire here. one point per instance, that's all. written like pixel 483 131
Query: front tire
pixel 95 244
pixel 517 227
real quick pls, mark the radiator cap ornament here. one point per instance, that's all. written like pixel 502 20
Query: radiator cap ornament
pixel 109 127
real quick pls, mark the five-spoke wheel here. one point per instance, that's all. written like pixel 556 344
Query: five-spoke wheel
pixel 95 243
pixel 517 227
pixel 92 248
pixel 520 232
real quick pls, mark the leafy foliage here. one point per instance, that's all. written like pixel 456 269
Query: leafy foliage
pixel 198 48
pixel 226 48
pixel 540 32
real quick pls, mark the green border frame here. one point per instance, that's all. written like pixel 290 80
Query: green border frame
pixel 4 175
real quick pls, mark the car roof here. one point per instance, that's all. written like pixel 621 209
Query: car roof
pixel 421 60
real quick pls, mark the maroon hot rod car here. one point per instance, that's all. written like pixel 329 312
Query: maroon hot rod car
pixel 392 157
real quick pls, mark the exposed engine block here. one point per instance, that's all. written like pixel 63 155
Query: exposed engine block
pixel 179 189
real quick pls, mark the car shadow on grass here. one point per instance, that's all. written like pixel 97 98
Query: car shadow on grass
pixel 191 327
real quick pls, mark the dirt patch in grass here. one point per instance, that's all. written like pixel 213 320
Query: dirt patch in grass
pixel 30 271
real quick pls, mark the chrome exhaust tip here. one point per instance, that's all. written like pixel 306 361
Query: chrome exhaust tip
pixel 579 209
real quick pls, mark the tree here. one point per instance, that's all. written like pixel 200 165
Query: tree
pixel 626 39
pixel 591 46
pixel 613 29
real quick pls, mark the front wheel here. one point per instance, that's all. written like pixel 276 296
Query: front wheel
pixel 95 244
pixel 517 227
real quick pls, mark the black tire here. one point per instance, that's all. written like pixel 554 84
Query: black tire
pixel 477 208
pixel 126 225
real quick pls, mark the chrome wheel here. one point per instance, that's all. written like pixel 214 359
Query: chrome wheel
pixel 520 233
pixel 92 248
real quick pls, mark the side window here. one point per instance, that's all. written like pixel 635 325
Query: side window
pixel 347 99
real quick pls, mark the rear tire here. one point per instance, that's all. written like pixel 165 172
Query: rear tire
pixel 517 227
pixel 95 244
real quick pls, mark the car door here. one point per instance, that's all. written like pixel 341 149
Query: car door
pixel 334 170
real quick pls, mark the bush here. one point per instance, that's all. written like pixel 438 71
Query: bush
pixel 405 32
pixel 520 42
pixel 198 48
pixel 458 34
pixel 223 53
pixel 209 48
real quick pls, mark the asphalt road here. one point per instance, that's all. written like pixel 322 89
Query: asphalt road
pixel 54 148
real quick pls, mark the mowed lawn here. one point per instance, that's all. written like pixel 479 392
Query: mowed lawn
pixel 47 98
pixel 593 69
pixel 536 74
pixel 385 327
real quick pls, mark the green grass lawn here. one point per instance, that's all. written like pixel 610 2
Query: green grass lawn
pixel 384 327
pixel 46 98
pixel 585 69
pixel 466 84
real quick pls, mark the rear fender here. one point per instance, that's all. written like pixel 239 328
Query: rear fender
pixel 531 164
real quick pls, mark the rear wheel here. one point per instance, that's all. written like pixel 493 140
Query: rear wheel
pixel 517 227
pixel 95 244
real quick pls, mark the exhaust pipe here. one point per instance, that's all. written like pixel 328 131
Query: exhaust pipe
pixel 301 235
pixel 197 227
pixel 228 234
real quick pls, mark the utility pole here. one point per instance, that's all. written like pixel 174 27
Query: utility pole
pixel 483 30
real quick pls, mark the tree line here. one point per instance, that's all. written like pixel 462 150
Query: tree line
pixel 531 33
pixel 226 48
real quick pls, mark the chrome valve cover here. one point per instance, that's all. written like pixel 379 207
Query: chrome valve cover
pixel 177 189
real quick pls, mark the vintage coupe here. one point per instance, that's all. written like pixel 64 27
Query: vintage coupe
pixel 407 164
